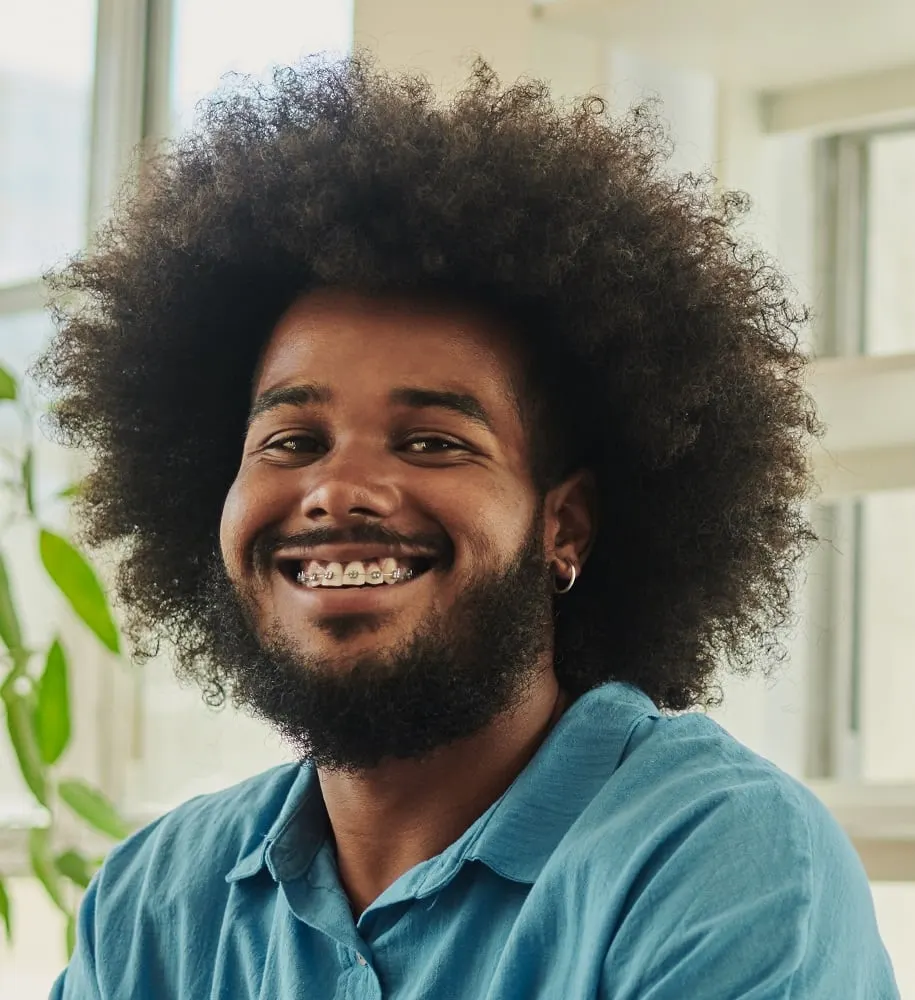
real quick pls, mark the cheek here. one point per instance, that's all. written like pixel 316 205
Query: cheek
pixel 231 529
pixel 491 525
pixel 247 510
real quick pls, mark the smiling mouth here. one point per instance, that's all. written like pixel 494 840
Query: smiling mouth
pixel 356 575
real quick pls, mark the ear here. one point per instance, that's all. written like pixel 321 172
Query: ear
pixel 570 520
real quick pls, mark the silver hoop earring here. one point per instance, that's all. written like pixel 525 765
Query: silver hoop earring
pixel 569 585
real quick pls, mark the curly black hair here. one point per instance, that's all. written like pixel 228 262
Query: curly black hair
pixel 663 350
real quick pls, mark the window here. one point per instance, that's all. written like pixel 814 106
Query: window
pixel 861 744
pixel 867 206
pixel 890 248
pixel 885 611
pixel 46 66
pixel 45 90
pixel 47 54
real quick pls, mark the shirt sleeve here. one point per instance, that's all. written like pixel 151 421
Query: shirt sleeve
pixel 752 894
pixel 79 980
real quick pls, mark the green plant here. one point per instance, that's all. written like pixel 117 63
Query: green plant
pixel 36 683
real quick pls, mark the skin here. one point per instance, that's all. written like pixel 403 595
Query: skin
pixel 375 463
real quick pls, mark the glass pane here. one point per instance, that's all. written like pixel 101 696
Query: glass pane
pixel 214 37
pixel 887 636
pixel 45 100
pixel 890 291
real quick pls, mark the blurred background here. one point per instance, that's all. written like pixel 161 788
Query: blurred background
pixel 810 108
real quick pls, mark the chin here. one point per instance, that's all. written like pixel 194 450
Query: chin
pixel 331 635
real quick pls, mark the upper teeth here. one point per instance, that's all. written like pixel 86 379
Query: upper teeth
pixel 354 574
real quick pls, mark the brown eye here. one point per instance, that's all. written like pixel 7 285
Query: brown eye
pixel 433 445
pixel 294 444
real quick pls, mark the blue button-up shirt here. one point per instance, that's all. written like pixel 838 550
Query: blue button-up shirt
pixel 636 857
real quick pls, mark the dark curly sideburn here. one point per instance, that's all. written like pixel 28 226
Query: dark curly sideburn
pixel 663 352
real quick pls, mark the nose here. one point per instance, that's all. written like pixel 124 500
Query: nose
pixel 350 483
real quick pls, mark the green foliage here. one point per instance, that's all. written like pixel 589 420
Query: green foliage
pixel 10 630
pixel 52 711
pixel 71 934
pixel 20 724
pixel 77 581
pixel 5 914
pixel 8 387
pixel 74 866
pixel 28 480
pixel 43 865
pixel 35 698
pixel 90 805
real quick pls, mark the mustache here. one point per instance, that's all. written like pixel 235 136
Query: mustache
pixel 272 540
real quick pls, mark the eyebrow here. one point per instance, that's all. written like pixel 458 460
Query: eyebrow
pixel 287 395
pixel 463 403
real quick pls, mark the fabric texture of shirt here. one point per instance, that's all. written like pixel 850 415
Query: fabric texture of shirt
pixel 637 856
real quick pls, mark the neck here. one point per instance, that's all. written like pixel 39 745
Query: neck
pixel 389 819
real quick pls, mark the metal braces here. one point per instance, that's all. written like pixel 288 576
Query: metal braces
pixel 315 578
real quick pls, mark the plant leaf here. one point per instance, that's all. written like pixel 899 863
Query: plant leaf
pixel 77 581
pixel 92 806
pixel 71 935
pixel 74 866
pixel 70 941
pixel 20 724
pixel 43 866
pixel 5 912
pixel 68 492
pixel 8 386
pixel 52 713
pixel 10 630
pixel 28 480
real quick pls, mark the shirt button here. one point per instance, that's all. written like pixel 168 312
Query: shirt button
pixel 360 959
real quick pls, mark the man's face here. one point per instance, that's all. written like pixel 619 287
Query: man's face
pixel 383 430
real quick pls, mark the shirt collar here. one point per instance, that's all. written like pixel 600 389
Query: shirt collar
pixel 296 834
pixel 519 832
pixel 570 767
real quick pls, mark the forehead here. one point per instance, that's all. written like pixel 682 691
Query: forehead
pixel 364 342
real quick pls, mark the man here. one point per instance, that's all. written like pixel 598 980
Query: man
pixel 457 443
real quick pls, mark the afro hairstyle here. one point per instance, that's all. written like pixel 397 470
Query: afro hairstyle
pixel 663 349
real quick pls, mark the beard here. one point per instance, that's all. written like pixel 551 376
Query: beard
pixel 443 682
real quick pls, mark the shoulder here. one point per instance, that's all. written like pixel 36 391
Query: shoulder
pixel 688 782
pixel 201 839
pixel 166 885
pixel 729 863
pixel 696 769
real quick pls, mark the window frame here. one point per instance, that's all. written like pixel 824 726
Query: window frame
pixel 866 449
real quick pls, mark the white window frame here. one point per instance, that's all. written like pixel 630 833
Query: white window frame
pixel 868 405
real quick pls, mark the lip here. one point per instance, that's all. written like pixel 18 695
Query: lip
pixel 316 601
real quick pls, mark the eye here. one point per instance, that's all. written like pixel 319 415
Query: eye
pixel 293 444
pixel 433 445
